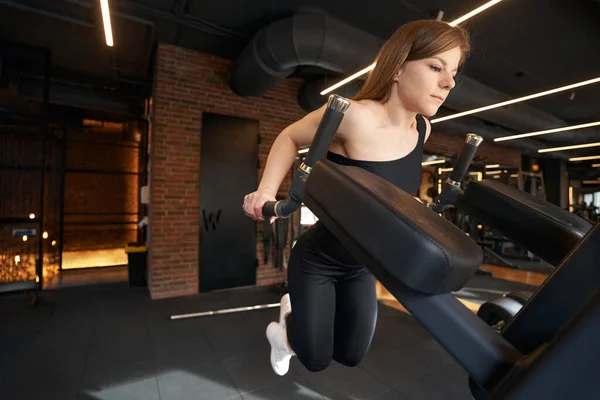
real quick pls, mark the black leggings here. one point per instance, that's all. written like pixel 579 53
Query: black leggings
pixel 334 305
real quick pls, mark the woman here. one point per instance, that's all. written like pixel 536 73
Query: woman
pixel 333 295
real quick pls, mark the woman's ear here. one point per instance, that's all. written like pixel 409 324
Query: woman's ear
pixel 398 73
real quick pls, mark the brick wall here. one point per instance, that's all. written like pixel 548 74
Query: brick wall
pixel 188 83
pixel 95 202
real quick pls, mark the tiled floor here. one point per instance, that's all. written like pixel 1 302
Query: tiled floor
pixel 111 342
pixel 88 276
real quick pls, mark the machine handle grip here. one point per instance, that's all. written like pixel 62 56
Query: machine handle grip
pixel 332 118
pixel 280 209
pixel 465 158
pixel 326 131
pixel 451 189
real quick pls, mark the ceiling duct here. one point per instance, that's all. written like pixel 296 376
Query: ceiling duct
pixel 316 40
pixel 81 97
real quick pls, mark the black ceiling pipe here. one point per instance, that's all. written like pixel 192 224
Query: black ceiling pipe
pixel 81 97
pixel 301 40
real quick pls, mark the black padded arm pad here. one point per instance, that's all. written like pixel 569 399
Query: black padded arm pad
pixel 542 227
pixel 389 231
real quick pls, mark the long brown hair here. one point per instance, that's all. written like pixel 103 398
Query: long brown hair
pixel 413 41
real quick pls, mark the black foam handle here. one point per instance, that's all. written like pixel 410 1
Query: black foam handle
pixel 326 131
pixel 268 209
pixel 328 127
pixel 281 209
pixel 467 153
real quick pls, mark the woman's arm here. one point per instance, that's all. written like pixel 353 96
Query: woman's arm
pixel 285 148
pixel 284 151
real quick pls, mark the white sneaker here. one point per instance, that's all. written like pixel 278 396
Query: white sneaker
pixel 281 353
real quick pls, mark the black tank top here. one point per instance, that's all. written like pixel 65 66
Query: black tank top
pixel 319 247
pixel 404 172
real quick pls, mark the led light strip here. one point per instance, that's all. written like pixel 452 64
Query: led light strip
pixel 546 132
pixel 106 20
pixel 520 99
pixel 475 12
pixel 577 146
pixel 372 66
pixel 584 158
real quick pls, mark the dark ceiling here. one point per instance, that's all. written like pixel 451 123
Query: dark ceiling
pixel 519 48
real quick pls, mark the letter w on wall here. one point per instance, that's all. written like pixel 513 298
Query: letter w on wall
pixel 211 220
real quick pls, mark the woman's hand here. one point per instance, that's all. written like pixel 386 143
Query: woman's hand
pixel 253 204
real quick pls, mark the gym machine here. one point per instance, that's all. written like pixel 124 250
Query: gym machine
pixel 522 217
pixel 543 228
pixel 548 350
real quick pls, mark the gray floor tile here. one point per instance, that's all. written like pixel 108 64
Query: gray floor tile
pixel 444 382
pixel 49 364
pixel 204 381
pixel 394 367
pixel 391 395
pixel 296 389
pixel 229 342
pixel 109 376
pixel 138 388
pixel 338 381
pixel 253 371
pixel 184 352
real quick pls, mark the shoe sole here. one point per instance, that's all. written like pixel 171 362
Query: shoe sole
pixel 272 342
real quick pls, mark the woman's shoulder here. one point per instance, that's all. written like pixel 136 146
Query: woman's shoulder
pixel 363 112
pixel 364 106
pixel 356 117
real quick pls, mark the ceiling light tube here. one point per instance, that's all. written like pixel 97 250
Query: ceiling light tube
pixel 372 66
pixel 595 165
pixel 518 100
pixel 493 172
pixel 584 158
pixel 547 131
pixel 577 146
pixel 475 12
pixel 493 166
pixel 348 79
pixel 106 19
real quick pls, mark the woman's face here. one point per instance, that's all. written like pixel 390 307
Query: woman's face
pixel 423 85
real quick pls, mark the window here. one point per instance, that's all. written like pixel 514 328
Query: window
pixel 307 217
pixel 588 198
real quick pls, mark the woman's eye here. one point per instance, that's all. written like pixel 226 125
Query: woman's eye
pixel 436 69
